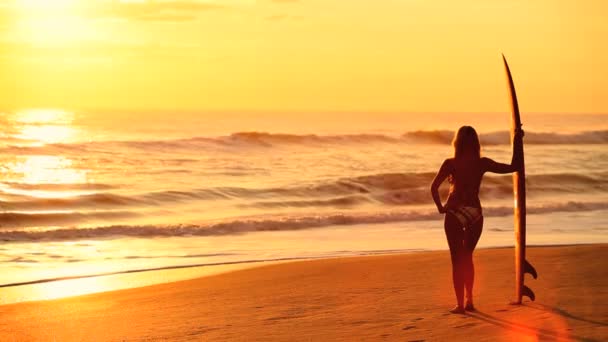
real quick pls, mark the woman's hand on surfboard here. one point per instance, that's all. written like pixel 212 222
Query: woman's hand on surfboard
pixel 442 209
pixel 519 133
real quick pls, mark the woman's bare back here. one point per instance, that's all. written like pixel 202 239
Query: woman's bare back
pixel 465 179
pixel 465 175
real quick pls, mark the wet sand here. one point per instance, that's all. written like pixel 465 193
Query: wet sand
pixel 403 297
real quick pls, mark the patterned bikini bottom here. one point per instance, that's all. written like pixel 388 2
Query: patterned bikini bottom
pixel 467 215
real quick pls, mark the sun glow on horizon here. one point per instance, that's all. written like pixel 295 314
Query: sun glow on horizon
pixel 212 55
pixel 51 23
pixel 46 4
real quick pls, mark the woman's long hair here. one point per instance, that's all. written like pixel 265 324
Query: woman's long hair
pixel 466 142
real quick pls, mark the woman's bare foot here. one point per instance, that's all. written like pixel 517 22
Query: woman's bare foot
pixel 469 306
pixel 457 310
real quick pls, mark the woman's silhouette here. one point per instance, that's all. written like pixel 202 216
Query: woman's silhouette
pixel 464 219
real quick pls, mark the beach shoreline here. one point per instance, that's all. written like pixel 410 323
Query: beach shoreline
pixel 394 297
pixel 91 283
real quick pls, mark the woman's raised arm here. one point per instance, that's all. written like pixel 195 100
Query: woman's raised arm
pixel 490 165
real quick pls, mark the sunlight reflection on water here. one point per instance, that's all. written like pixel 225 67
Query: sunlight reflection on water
pixel 44 126
pixel 38 128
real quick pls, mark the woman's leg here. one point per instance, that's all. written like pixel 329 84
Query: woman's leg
pixel 471 237
pixel 455 236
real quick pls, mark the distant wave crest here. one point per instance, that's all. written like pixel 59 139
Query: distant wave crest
pixel 268 140
pixel 503 137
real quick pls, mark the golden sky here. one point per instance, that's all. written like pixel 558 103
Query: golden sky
pixel 306 55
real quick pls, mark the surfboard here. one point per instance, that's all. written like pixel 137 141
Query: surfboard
pixel 522 266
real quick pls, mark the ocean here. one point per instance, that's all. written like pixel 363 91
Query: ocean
pixel 89 193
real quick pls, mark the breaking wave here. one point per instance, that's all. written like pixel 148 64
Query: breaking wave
pixel 240 226
pixel 379 189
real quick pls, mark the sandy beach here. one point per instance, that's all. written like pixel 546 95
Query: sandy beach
pixel 285 170
pixel 402 297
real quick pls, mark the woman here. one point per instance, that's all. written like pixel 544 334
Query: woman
pixel 464 220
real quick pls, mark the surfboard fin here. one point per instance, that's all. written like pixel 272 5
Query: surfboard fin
pixel 528 268
pixel 525 291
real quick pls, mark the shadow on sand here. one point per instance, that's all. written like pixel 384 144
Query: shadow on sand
pixel 544 334
pixel 564 313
